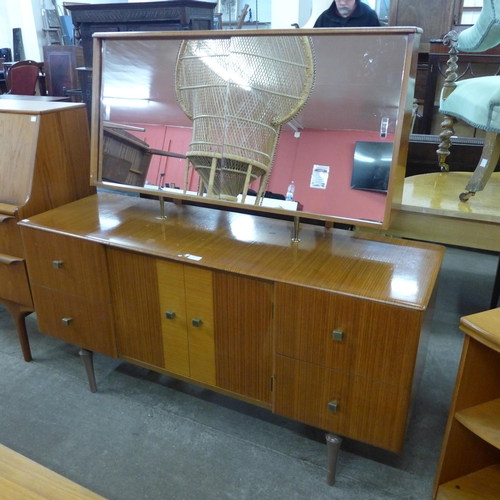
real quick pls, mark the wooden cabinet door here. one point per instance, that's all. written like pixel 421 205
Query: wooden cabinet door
pixel 187 325
pixel 243 335
pixel 134 293
pixel 200 323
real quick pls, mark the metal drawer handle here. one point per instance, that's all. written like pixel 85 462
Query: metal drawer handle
pixel 333 406
pixel 67 321
pixel 57 264
pixel 170 314
pixel 196 322
pixel 8 259
pixel 338 335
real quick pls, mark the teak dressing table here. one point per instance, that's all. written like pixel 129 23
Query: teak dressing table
pixel 321 325
pixel 330 331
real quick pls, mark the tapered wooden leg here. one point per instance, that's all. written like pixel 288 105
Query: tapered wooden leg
pixel 332 449
pixel 19 314
pixel 88 361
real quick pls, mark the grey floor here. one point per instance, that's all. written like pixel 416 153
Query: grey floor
pixel 147 436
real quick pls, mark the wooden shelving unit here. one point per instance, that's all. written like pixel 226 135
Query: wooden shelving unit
pixel 469 467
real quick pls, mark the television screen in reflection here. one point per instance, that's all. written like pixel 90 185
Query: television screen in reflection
pixel 372 166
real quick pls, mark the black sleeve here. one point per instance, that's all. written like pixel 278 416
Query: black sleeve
pixel 374 21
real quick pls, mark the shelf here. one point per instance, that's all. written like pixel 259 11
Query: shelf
pixel 483 420
pixel 483 484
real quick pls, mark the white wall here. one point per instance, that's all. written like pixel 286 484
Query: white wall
pixel 20 14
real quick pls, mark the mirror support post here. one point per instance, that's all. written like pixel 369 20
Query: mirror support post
pixel 162 208
pixel 296 222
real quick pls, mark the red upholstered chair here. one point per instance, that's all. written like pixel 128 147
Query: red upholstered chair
pixel 22 77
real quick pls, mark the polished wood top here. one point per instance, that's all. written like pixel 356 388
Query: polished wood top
pixel 361 264
pixel 35 106
pixel 484 327
pixel 24 478
pixel 437 194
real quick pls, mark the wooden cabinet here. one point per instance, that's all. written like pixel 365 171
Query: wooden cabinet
pixel 45 163
pixel 329 330
pixel 436 18
pixel 60 63
pixel 469 466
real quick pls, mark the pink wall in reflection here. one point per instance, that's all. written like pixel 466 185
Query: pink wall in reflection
pixel 294 160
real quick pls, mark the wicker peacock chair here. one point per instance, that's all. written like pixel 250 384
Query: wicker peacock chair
pixel 238 92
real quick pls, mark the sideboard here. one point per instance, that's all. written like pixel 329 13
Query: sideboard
pixel 330 330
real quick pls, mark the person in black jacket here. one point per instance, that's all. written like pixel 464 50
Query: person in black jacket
pixel 347 14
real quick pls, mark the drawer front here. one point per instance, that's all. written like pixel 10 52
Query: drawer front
pixel 344 404
pixel 75 320
pixel 70 265
pixel 10 236
pixel 366 338
pixel 14 285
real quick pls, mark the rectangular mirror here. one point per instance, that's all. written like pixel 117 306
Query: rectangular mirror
pixel 233 117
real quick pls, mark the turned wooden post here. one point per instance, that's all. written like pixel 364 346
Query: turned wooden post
pixel 449 86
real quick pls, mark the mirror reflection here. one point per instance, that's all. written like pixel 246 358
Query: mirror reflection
pixel 235 119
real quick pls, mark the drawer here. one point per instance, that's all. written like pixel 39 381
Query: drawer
pixel 77 321
pixel 10 236
pixel 366 411
pixel 14 284
pixel 67 264
pixel 351 334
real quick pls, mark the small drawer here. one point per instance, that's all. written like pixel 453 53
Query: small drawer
pixel 77 321
pixel 10 236
pixel 14 284
pixel 337 402
pixel 67 264
pixel 351 334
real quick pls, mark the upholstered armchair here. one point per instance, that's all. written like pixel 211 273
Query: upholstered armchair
pixel 475 101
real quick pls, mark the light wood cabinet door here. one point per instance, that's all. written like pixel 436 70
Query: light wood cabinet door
pixel 186 303
pixel 350 334
pixel 243 335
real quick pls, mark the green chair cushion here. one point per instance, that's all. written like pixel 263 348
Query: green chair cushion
pixel 476 101
pixel 485 33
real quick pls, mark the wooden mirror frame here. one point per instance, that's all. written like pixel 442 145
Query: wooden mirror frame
pixel 362 88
